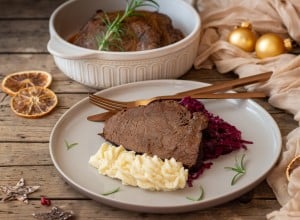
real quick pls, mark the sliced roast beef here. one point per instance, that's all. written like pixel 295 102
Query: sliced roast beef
pixel 163 128
pixel 145 30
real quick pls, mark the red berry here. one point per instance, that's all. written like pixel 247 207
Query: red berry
pixel 45 201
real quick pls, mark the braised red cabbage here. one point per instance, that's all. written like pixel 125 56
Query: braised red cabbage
pixel 219 138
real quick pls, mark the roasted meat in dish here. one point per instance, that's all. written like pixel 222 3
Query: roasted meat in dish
pixel 145 30
pixel 163 128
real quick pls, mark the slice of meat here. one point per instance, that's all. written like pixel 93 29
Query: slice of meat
pixel 163 128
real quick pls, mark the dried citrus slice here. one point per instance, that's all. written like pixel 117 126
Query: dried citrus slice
pixel 13 82
pixel 33 102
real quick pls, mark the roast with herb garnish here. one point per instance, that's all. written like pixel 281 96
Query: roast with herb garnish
pixel 143 30
pixel 163 128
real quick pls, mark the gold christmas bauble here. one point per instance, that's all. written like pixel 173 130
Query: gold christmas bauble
pixel 270 45
pixel 243 37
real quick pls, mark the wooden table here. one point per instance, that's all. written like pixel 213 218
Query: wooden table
pixel 24 142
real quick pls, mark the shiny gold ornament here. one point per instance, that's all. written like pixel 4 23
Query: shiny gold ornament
pixel 269 45
pixel 243 37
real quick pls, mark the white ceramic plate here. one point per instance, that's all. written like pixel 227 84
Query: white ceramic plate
pixel 254 122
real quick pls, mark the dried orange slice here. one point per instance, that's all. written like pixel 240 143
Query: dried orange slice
pixel 13 82
pixel 33 102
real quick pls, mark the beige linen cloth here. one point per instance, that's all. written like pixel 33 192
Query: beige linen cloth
pixel 282 17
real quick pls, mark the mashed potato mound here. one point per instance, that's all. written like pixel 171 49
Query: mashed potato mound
pixel 144 171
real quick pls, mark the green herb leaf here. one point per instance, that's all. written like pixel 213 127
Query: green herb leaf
pixel 111 192
pixel 239 168
pixel 69 146
pixel 200 197
pixel 114 28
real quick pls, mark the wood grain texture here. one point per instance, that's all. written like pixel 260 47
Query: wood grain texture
pixel 87 209
pixel 28 9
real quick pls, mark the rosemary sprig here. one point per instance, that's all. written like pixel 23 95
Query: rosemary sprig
pixel 114 28
pixel 69 146
pixel 239 168
pixel 111 192
pixel 200 197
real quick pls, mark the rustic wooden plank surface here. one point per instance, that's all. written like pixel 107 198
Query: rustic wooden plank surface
pixel 20 36
pixel 24 142
pixel 28 9
pixel 87 209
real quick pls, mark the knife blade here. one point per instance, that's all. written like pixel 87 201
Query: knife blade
pixel 101 117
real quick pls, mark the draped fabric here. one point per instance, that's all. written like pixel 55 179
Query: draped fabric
pixel 281 17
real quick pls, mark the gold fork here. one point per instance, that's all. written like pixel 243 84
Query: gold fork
pixel 207 93
pixel 112 105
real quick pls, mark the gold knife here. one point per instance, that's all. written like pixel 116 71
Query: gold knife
pixel 101 116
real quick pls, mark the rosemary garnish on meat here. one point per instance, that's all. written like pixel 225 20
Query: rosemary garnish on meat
pixel 239 168
pixel 114 28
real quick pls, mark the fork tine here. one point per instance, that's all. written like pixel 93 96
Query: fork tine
pixel 103 103
pixel 109 101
